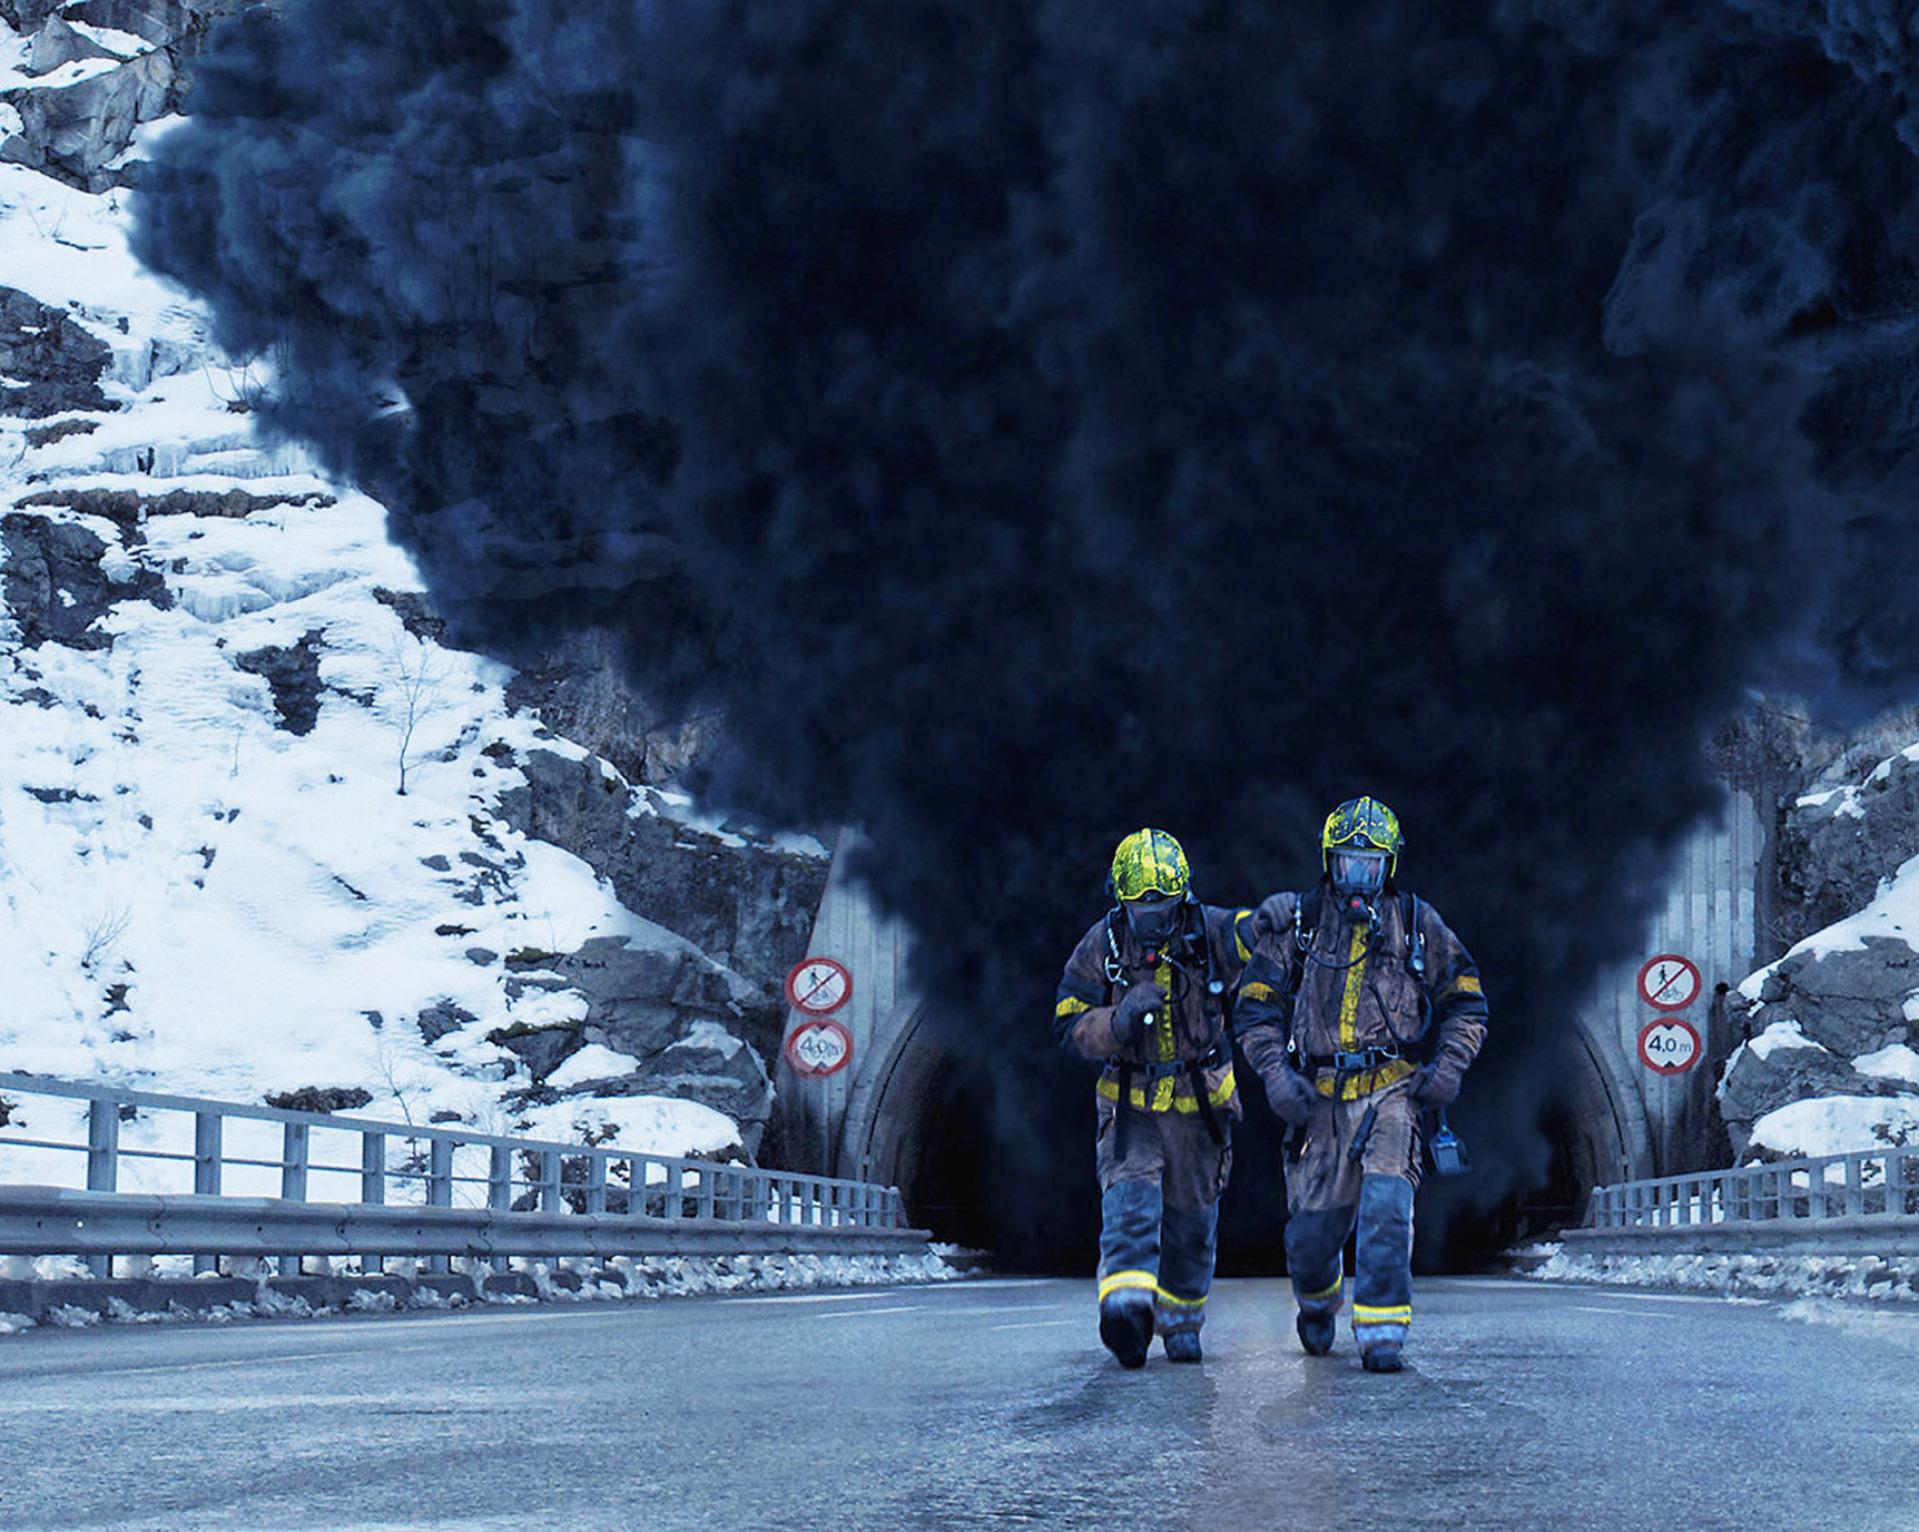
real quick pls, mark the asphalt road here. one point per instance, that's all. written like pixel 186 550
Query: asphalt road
pixel 986 1404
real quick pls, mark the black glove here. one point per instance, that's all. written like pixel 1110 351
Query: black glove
pixel 1437 1083
pixel 1291 1096
pixel 1135 1008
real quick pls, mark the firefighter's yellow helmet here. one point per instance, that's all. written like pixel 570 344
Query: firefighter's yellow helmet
pixel 1362 823
pixel 1150 862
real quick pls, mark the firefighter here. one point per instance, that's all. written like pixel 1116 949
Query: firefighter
pixel 1145 996
pixel 1361 1011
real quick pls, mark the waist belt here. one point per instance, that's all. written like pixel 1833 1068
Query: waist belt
pixel 1356 1062
pixel 1158 1070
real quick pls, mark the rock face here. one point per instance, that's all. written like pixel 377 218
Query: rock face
pixel 1836 846
pixel 676 1011
pixel 1768 1074
pixel 129 508
pixel 292 673
pixel 58 361
pixel 709 1066
pixel 748 907
pixel 578 691
pixel 320 1098
pixel 58 581
pixel 79 116
pixel 1849 1001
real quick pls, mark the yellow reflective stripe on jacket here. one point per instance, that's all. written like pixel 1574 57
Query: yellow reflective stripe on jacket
pixel 1366 1081
pixel 1366 1314
pixel 1174 1301
pixel 1120 1280
pixel 1355 985
pixel 1258 991
pixel 1168 1046
pixel 1184 1101
pixel 1072 1005
pixel 1465 984
pixel 1239 936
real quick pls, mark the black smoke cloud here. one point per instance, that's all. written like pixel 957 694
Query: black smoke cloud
pixel 1035 420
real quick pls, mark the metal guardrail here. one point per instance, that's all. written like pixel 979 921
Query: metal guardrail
pixel 1872 1184
pixel 450 1192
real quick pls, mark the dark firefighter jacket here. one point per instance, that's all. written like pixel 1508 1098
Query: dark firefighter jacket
pixel 1357 991
pixel 1214 944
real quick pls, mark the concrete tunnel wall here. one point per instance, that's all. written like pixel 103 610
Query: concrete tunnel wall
pixel 868 1121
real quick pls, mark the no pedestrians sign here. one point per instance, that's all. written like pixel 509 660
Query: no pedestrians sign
pixel 818 986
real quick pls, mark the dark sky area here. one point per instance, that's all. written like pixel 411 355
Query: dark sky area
pixel 1035 420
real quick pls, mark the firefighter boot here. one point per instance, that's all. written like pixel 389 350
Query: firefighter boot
pixel 1182 1346
pixel 1381 1356
pixel 1126 1325
pixel 1316 1332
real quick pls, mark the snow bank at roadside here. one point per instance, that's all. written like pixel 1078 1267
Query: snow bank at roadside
pixel 1747 1276
pixel 621 1279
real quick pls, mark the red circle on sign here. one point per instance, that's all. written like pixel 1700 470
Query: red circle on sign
pixel 1663 1023
pixel 819 1048
pixel 1687 966
pixel 819 986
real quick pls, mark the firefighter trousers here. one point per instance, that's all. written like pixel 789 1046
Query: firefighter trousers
pixel 1160 1184
pixel 1328 1192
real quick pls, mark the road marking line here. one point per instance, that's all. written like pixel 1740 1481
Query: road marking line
pixel 1035 1324
pixel 866 1297
pixel 264 1360
pixel 1009 1308
pixel 904 1308
pixel 1625 1313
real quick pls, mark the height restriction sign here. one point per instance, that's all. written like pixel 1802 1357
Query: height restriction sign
pixel 1669 982
pixel 818 986
pixel 1668 1045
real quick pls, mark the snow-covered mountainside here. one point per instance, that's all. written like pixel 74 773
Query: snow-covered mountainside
pixel 1832 1060
pixel 216 677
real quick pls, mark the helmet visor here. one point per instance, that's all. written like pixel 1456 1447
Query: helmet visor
pixel 1359 872
pixel 1153 917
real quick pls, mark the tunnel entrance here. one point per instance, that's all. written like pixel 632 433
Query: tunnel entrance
pixel 1003 1162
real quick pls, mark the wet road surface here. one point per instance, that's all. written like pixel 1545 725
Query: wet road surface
pixel 978 1405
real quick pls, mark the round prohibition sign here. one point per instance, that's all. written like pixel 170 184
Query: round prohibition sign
pixel 819 1048
pixel 1670 982
pixel 1669 1045
pixel 819 986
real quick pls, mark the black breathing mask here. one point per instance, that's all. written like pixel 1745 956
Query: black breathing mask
pixel 1153 920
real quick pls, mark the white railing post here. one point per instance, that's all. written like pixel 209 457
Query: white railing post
pixel 103 1163
pixel 550 1199
pixel 499 1192
pixel 293 1181
pixel 373 1189
pixel 439 1191
pixel 206 1173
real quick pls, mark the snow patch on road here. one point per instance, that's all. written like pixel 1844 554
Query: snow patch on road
pixel 1900 1328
